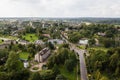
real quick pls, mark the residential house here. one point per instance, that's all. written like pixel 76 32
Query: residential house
pixel 56 41
pixel 3 46
pixel 46 25
pixel 101 34
pixel 46 35
pixel 10 41
pixel 39 42
pixel 83 42
pixel 23 42
pixel 6 43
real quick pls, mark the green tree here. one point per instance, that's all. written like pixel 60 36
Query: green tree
pixel 47 75
pixel 60 77
pixel 56 70
pixel 74 37
pixel 69 65
pixel 35 76
pixel 13 63
pixel 19 75
pixel 97 75
pixel 4 76
pixel 91 42
pixel 51 46
pixel 3 56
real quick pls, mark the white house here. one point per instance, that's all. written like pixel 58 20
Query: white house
pixel 83 42
pixel 26 64
pixel 57 41
pixel 42 55
pixel 101 34
pixel 23 42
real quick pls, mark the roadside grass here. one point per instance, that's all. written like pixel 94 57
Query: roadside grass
pixel 30 37
pixel 98 48
pixel 24 55
pixel 81 46
pixel 69 75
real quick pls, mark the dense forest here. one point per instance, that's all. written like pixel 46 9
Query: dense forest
pixel 104 65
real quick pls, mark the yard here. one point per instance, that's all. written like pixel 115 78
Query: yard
pixel 30 37
pixel 24 55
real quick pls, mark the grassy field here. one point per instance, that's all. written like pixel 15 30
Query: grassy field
pixel 69 75
pixel 30 37
pixel 24 55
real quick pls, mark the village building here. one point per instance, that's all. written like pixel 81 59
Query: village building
pixel 46 25
pixel 10 41
pixel 23 42
pixel 14 33
pixel 83 42
pixel 42 55
pixel 56 41
pixel 66 29
pixel 86 23
pixel 46 35
pixel 6 43
pixel 3 46
pixel 101 34
pixel 39 42
pixel 26 64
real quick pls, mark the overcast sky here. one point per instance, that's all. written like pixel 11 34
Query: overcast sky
pixel 59 8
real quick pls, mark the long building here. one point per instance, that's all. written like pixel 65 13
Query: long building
pixel 42 55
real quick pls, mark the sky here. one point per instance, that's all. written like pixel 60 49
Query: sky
pixel 60 8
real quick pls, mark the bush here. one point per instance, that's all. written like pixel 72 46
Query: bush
pixel 35 68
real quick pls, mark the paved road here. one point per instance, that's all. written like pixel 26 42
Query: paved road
pixel 83 69
pixel 37 65
pixel 4 38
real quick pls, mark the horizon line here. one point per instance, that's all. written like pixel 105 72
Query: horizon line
pixel 58 17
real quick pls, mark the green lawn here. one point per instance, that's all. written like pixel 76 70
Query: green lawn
pixel 30 37
pixel 24 55
pixel 1 41
pixel 69 75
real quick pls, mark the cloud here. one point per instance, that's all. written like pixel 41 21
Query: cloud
pixel 60 8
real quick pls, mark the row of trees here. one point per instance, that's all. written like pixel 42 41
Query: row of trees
pixel 63 57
